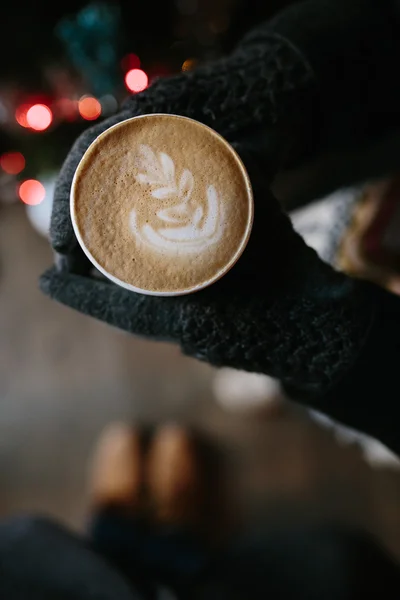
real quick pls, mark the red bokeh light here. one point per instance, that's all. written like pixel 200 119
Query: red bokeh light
pixel 32 192
pixel 68 109
pixel 89 108
pixel 20 114
pixel 130 61
pixel 12 162
pixel 39 117
pixel 136 80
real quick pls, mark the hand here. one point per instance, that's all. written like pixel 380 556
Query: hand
pixel 280 310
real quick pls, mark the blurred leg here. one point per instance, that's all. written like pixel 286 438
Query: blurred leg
pixel 146 505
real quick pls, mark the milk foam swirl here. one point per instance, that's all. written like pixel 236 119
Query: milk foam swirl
pixel 185 227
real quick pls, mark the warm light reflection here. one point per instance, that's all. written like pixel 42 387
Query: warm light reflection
pixel 136 80
pixel 12 162
pixel 32 192
pixel 89 108
pixel 20 114
pixel 39 117
pixel 189 64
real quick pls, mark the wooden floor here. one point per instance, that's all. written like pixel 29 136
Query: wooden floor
pixel 64 376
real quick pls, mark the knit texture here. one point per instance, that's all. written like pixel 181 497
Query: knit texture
pixel 280 310
pixel 366 397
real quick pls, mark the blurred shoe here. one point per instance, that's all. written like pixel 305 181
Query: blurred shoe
pixel 116 476
pixel 174 477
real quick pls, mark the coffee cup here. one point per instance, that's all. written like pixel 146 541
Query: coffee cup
pixel 162 205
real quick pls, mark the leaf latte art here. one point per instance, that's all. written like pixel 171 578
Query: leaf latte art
pixel 185 226
pixel 162 205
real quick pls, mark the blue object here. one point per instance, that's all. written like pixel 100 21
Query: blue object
pixel 90 40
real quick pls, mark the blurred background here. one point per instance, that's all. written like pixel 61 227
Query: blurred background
pixel 64 377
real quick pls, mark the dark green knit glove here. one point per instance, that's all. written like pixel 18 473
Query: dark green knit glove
pixel 280 310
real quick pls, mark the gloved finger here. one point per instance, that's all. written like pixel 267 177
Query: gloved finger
pixel 150 316
pixel 62 236
pixel 41 561
pixel 261 150
pixel 75 262
pixel 272 227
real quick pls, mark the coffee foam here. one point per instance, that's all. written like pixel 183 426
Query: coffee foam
pixel 162 204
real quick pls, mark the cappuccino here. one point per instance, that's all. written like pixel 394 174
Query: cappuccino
pixel 162 205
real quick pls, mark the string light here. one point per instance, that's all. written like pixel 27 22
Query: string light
pixel 136 80
pixel 32 192
pixel 12 162
pixel 39 117
pixel 89 108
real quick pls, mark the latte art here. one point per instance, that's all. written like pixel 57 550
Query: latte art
pixel 185 226
pixel 161 205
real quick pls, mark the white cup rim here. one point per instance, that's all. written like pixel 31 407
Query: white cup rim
pixel 202 285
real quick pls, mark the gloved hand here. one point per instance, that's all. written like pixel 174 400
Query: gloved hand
pixel 280 310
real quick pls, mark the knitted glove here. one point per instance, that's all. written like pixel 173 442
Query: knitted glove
pixel 280 310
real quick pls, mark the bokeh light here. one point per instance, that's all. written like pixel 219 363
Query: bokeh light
pixel 20 114
pixel 89 108
pixel 189 64
pixel 32 192
pixel 136 80
pixel 130 61
pixel 39 117
pixel 109 104
pixel 12 162
pixel 68 109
